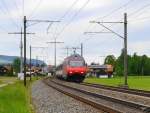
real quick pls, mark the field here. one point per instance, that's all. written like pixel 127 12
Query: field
pixel 7 80
pixel 134 82
pixel 15 98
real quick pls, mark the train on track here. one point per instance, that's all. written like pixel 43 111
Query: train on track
pixel 73 68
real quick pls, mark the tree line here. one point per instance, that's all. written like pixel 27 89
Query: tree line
pixel 137 65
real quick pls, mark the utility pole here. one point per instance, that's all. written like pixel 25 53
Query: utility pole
pixel 67 50
pixel 21 47
pixel 30 60
pixel 37 61
pixel 75 49
pixel 125 50
pixel 125 43
pixel 25 26
pixel 21 53
pixel 25 21
pixel 82 49
pixel 55 52
pixel 33 47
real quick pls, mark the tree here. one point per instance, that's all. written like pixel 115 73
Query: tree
pixel 110 59
pixel 16 65
pixel 143 62
pixel 119 67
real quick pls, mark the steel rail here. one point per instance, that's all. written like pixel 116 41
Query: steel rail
pixel 82 99
pixel 130 104
pixel 119 89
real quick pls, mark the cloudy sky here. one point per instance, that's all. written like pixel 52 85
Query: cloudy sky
pixel 74 17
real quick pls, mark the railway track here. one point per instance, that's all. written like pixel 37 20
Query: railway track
pixel 119 89
pixel 103 102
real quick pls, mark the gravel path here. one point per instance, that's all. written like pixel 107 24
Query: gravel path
pixel 47 100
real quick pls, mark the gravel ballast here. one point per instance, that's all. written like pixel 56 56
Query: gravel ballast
pixel 47 100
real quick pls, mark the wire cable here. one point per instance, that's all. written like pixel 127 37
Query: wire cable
pixel 63 16
pixel 73 4
pixel 140 9
pixel 84 5
pixel 10 16
pixel 22 8
pixel 35 9
pixel 17 8
pixel 110 13
pixel 115 10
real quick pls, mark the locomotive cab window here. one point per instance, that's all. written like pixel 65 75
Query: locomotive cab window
pixel 76 63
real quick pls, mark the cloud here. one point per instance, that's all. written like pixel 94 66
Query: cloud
pixel 94 46
pixel 140 47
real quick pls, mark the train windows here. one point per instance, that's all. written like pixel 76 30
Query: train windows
pixel 76 63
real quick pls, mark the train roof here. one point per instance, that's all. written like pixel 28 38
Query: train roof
pixel 79 57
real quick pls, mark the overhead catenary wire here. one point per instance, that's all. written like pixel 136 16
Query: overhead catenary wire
pixel 116 10
pixel 139 19
pixel 35 8
pixel 109 14
pixel 131 14
pixel 17 8
pixel 80 9
pixel 22 8
pixel 67 11
pixel 8 12
pixel 140 9
pixel 113 11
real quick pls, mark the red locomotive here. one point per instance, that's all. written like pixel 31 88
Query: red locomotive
pixel 73 68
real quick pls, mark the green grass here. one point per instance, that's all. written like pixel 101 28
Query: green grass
pixel 6 80
pixel 15 98
pixel 134 82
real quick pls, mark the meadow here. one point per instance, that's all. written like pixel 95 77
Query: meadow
pixel 15 98
pixel 134 82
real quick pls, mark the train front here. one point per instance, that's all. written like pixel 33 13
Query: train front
pixel 76 68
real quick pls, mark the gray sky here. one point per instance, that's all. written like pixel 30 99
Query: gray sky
pixel 75 16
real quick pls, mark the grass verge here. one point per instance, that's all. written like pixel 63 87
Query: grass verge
pixel 15 98
pixel 134 82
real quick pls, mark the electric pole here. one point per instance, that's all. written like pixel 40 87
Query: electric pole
pixel 55 52
pixel 25 50
pixel 21 53
pixel 82 49
pixel 30 61
pixel 75 49
pixel 67 50
pixel 125 43
pixel 31 47
pixel 25 26
pixel 125 50
pixel 21 49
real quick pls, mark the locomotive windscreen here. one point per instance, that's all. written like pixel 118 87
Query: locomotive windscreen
pixel 76 63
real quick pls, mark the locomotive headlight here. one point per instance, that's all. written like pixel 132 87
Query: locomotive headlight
pixel 82 72
pixel 70 72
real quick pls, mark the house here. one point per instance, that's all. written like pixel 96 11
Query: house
pixel 100 71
